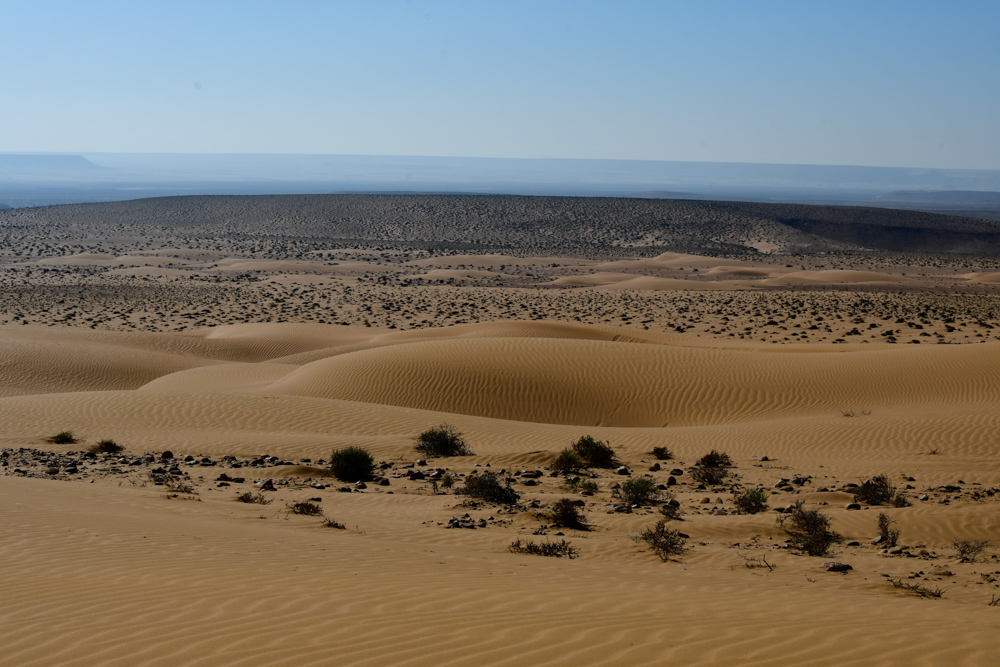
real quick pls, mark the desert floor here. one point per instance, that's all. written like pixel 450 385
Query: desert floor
pixel 256 369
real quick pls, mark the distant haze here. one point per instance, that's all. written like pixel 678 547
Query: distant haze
pixel 34 179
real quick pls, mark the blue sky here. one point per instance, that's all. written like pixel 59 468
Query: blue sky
pixel 864 83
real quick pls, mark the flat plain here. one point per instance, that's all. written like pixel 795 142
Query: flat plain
pixel 230 344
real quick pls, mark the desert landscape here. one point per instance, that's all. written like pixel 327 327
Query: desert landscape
pixel 601 431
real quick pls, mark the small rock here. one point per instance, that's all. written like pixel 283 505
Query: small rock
pixel 654 468
pixel 167 455
pixel 360 485
pixel 676 472
pixel 622 470
pixel 852 506
pixel 763 458
pixel 837 567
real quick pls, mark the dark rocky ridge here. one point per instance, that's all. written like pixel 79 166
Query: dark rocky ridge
pixel 514 223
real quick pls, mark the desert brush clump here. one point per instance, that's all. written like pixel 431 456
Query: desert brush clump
pixel 594 453
pixel 888 536
pixel 552 549
pixel 106 447
pixel 970 550
pixel 712 468
pixel 352 464
pixel 921 590
pixel 664 542
pixel 808 530
pixel 62 438
pixel 491 487
pixel 566 514
pixel 878 490
pixel 662 453
pixel 566 461
pixel 750 501
pixel 305 508
pixel 637 491
pixel 581 484
pixel 442 441
pixel 253 498
pixel 330 523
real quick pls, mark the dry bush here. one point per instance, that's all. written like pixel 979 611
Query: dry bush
pixel 878 490
pixel 889 535
pixel 808 530
pixel 489 487
pixel 567 514
pixel 664 542
pixel 62 438
pixel 106 447
pixel 330 523
pixel 919 589
pixel 711 469
pixel 305 508
pixel 581 484
pixel 662 453
pixel 253 498
pixel 442 441
pixel 750 501
pixel 595 453
pixel 970 550
pixel 553 549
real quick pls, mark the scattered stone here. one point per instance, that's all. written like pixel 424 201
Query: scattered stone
pixel 837 567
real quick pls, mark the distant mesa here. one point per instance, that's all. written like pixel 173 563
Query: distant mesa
pixel 46 163
pixel 987 198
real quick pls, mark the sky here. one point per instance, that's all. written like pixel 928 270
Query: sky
pixel 874 83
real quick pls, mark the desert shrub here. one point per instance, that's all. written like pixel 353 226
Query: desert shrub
pixel 921 590
pixel 62 438
pixel 330 523
pixel 662 453
pixel 447 480
pixel 595 453
pixel 664 542
pixel 714 459
pixel 253 498
pixel 712 468
pixel 750 501
pixel 566 461
pixel 305 508
pixel 352 464
pixel 489 487
pixel 552 549
pixel 567 514
pixel 900 500
pixel 442 441
pixel 970 550
pixel 889 535
pixel 671 512
pixel 876 491
pixel 582 484
pixel 808 530
pixel 638 491
pixel 107 447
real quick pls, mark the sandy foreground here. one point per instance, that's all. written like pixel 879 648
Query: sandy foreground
pixel 101 566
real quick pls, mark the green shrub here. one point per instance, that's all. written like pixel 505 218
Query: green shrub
pixel 489 487
pixel 447 480
pixel 352 464
pixel 662 453
pixel 442 441
pixel 62 438
pixel 878 490
pixel 567 514
pixel 664 542
pixel 595 453
pixel 566 461
pixel 750 501
pixel 808 530
pixel 107 447
pixel 581 484
pixel 638 491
